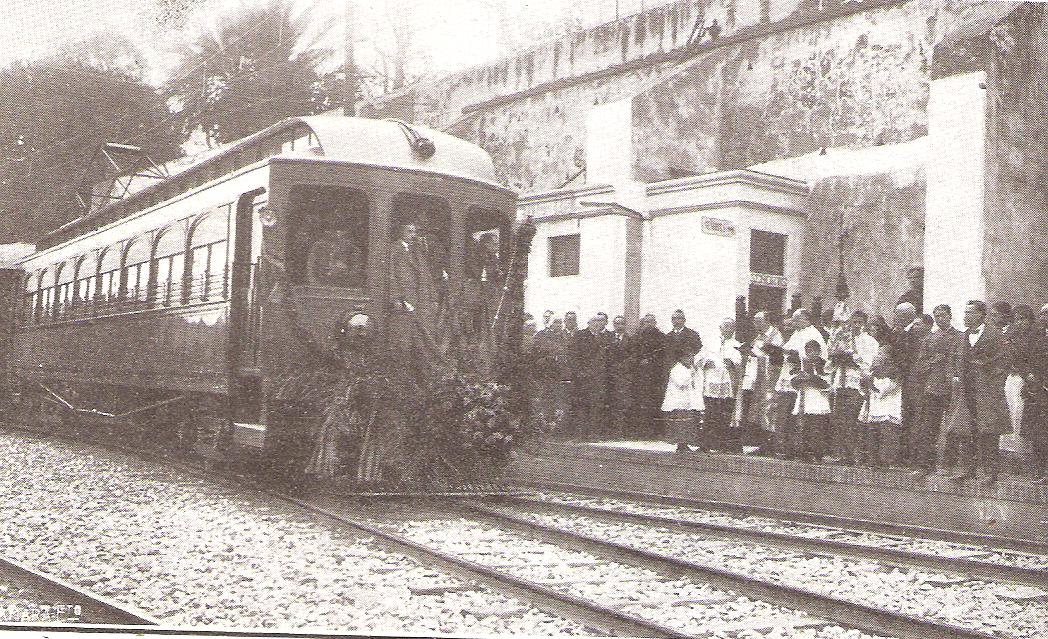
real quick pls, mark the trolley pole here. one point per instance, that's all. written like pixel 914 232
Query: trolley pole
pixel 350 68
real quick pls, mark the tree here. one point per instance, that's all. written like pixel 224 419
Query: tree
pixel 392 56
pixel 253 70
pixel 54 113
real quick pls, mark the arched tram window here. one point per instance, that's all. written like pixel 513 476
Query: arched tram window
pixel 63 290
pixel 29 313
pixel 134 276
pixel 168 266
pixel 108 291
pixel 84 272
pixel 329 243
pixel 208 241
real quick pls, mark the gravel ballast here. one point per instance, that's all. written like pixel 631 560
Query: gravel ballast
pixel 1003 609
pixel 195 553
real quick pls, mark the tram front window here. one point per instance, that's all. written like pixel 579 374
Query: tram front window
pixel 329 238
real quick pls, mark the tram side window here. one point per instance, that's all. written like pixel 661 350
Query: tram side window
pixel 135 274
pixel 169 265
pixel 85 284
pixel 63 290
pixel 432 219
pixel 109 279
pixel 208 275
pixel 29 300
pixel 329 242
pixel 41 307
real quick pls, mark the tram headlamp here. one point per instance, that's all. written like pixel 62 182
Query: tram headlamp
pixel 267 218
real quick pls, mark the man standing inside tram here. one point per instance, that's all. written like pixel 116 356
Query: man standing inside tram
pixel 413 298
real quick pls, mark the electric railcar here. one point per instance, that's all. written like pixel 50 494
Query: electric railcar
pixel 172 298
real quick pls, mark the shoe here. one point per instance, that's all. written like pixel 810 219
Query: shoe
pixel 919 473
pixel 988 481
pixel 961 476
pixel 683 448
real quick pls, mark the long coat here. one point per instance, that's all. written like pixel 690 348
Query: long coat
pixel 983 369
pixel 936 361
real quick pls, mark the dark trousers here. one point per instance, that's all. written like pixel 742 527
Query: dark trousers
pixel 880 444
pixel 618 410
pixel 589 409
pixel 912 408
pixel 979 450
pixel 926 437
pixel 717 423
pixel 780 415
pixel 847 403
pixel 808 436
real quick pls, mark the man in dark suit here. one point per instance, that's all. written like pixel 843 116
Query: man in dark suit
pixel 413 302
pixel 649 355
pixel 590 379
pixel 620 377
pixel 934 365
pixel 909 334
pixel 680 340
pixel 571 324
pixel 982 370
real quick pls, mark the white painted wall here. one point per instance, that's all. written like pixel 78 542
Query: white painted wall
pixel 691 270
pixel 954 214
pixel 599 286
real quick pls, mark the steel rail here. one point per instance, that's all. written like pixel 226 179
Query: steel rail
pixel 95 609
pixel 603 618
pixel 856 550
pixel 850 524
pixel 844 612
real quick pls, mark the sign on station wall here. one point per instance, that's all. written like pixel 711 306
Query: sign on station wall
pixel 716 226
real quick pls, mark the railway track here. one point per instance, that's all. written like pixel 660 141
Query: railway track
pixel 590 590
pixel 702 557
pixel 569 575
pixel 1035 546
pixel 48 599
pixel 977 561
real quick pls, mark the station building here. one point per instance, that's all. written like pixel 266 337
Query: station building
pixel 704 150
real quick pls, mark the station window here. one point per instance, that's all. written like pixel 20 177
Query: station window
pixel 169 266
pixel 208 239
pixel 432 219
pixel 564 255
pixel 329 242
pixel 767 252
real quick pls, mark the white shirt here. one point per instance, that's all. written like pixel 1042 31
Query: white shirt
pixel 772 337
pixel 717 381
pixel 974 336
pixel 796 343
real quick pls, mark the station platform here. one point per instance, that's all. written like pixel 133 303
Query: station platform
pixel 1013 507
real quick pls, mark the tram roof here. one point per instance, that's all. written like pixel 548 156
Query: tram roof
pixel 363 141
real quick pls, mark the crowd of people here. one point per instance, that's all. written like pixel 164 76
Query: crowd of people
pixel 913 392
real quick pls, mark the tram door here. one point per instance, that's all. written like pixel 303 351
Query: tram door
pixel 246 379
